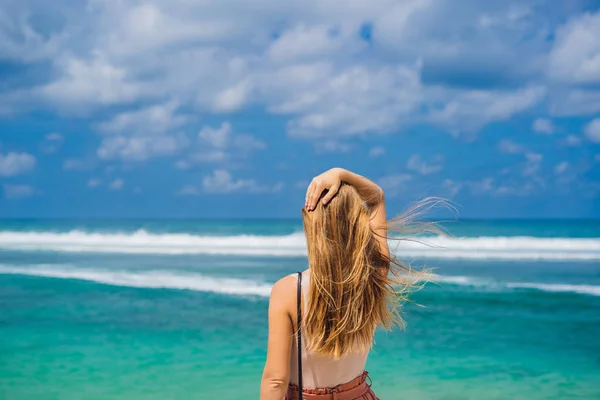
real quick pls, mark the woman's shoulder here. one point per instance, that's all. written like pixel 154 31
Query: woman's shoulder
pixel 284 287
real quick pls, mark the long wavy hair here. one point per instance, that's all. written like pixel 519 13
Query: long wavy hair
pixel 354 286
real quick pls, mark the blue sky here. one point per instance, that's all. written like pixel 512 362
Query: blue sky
pixel 229 108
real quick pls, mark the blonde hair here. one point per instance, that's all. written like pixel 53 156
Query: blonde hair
pixel 354 287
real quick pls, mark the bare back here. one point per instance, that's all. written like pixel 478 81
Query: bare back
pixel 319 371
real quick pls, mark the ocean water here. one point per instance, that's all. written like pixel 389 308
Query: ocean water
pixel 178 310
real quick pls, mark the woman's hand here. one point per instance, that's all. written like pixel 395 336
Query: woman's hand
pixel 329 180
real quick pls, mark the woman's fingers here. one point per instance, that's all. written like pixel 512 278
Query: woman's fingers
pixel 306 196
pixel 314 195
pixel 316 188
pixel 330 193
pixel 309 191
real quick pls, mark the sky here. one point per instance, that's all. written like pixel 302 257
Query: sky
pixel 227 109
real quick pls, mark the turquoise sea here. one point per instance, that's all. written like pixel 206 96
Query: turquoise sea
pixel 160 309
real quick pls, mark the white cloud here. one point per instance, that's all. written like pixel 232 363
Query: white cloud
pixel 561 167
pixel 302 184
pixel 53 142
pixel 532 164
pixel 120 53
pixel 331 146
pixel 395 23
pixel 304 42
pixel 117 184
pixel 572 140
pixel 575 55
pixel 248 143
pixel 152 120
pixel 305 61
pixel 73 164
pixel 325 101
pixel 597 158
pixel 515 14
pixel 567 173
pixel 87 83
pixel 509 181
pixel 142 134
pixel 493 187
pixel 592 130
pixel 496 40
pixel 18 191
pixel 233 98
pixel 154 27
pixel 278 187
pixel 469 110
pixel 543 125
pixel 188 190
pixel 376 152
pixel 520 179
pixel 92 183
pixel 394 183
pixel 533 157
pixel 21 42
pixel 415 163
pixel 484 185
pixel 452 187
pixel 220 144
pixel 221 181
pixel 54 136
pixel 509 147
pixel 514 189
pixel 12 164
pixel 209 157
pixel 139 148
pixel 216 137
pixel 574 102
pixel 183 164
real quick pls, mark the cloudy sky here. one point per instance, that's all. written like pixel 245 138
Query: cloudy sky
pixel 202 108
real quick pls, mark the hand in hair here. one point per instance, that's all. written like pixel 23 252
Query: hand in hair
pixel 331 181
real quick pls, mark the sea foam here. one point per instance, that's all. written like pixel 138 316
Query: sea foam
pixel 593 290
pixel 293 245
pixel 146 279
pixel 161 279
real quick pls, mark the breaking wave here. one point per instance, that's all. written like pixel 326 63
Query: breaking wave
pixel 293 245
pixel 161 279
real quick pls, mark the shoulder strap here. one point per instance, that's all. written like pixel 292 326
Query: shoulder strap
pixel 299 301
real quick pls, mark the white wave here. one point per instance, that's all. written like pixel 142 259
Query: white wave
pixel 502 248
pixel 187 281
pixel 293 245
pixel 147 279
pixel 593 290
pixel 458 280
pixel 142 242
pixel 557 287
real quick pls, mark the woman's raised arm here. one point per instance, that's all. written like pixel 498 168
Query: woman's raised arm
pixel 368 190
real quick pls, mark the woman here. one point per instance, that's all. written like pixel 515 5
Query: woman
pixel 346 293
